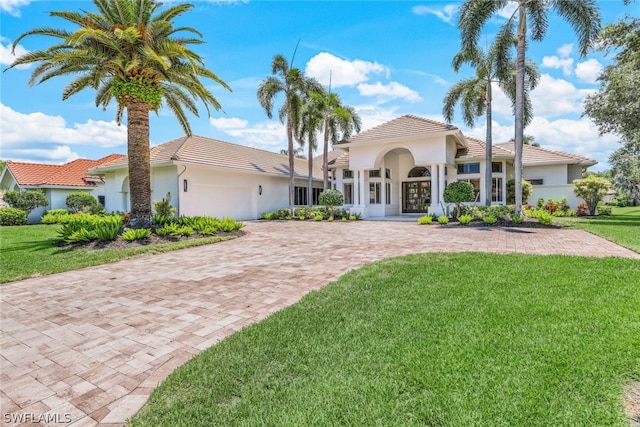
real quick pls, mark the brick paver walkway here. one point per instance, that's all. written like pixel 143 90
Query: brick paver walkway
pixel 87 347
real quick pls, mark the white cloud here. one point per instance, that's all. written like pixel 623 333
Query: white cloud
pixel 499 133
pixel 373 115
pixel 19 130
pixel 389 91
pixel 589 70
pixel 7 58
pixel 326 67
pixel 265 135
pixel 58 154
pixel 554 97
pixel 445 13
pixel 565 50
pixel 508 11
pixel 12 6
pixel 566 64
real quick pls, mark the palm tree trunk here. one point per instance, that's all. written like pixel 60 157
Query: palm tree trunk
pixel 519 119
pixel 310 183
pixel 291 166
pixel 325 158
pixel 488 172
pixel 139 165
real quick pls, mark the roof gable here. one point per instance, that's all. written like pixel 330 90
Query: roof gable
pixel 401 127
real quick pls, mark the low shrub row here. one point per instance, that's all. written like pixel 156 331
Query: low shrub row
pixel 316 213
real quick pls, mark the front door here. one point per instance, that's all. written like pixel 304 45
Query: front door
pixel 416 196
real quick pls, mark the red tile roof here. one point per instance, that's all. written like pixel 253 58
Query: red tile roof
pixel 72 174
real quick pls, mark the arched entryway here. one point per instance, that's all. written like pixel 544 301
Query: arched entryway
pixel 416 190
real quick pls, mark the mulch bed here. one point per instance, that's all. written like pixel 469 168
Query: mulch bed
pixel 153 239
pixel 526 223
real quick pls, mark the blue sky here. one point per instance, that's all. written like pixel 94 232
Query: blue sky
pixel 386 58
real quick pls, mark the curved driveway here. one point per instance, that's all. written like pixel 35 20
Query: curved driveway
pixel 87 347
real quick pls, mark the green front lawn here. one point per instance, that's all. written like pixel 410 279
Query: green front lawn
pixel 30 250
pixel 433 339
pixel 622 227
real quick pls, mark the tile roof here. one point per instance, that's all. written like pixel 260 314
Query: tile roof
pixel 212 152
pixel 537 155
pixel 476 149
pixel 403 126
pixel 72 174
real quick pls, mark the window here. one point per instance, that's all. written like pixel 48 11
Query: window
pixel 300 196
pixel 101 200
pixel 316 195
pixel 388 193
pixel 347 174
pixel 496 190
pixel 496 167
pixel 375 173
pixel 387 173
pixel 536 181
pixel 374 193
pixel 419 172
pixel 348 194
pixel 469 168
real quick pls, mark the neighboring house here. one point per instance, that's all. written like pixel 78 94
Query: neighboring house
pixel 215 178
pixel 57 181
pixel 402 167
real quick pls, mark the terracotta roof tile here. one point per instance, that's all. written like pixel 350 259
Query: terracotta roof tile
pixel 212 152
pixel 476 149
pixel 537 155
pixel 403 126
pixel 73 174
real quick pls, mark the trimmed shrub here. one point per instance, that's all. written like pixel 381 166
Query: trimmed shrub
pixel 81 201
pixel 458 192
pixel 331 198
pixel 13 216
pixel 27 200
pixel 55 216
pixel 229 224
pixel 426 219
pixel 443 219
pixel 545 218
pixel 592 189
pixel 527 188
pixel 464 219
pixel 490 219
pixel 318 217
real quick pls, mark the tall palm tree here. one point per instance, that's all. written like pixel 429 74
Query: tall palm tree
pixel 340 121
pixel 476 94
pixel 582 15
pixel 291 83
pixel 311 121
pixel 129 50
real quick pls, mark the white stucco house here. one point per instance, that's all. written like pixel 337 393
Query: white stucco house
pixel 400 167
pixel 215 178
pixel 56 181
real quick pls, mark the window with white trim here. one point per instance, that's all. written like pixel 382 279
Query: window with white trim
pixel 374 193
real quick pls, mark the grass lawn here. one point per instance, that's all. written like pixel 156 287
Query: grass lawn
pixel 622 227
pixel 31 250
pixel 432 339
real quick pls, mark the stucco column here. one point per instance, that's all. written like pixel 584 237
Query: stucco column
pixel 356 188
pixel 434 185
pixel 441 182
pixel 363 191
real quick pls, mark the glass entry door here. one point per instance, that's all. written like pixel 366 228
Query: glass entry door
pixel 416 196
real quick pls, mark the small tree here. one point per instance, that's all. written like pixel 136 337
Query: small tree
pixel 163 207
pixel 80 201
pixel 592 189
pixel 458 192
pixel 331 198
pixel 527 189
pixel 27 200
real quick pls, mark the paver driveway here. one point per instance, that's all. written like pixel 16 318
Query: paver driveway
pixel 87 347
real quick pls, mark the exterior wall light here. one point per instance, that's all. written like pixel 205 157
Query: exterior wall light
pixel 260 190
pixel 185 185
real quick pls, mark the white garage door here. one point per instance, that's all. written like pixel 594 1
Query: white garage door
pixel 235 202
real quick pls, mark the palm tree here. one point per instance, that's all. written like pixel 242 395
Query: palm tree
pixel 583 16
pixel 130 51
pixel 294 86
pixel 340 121
pixel 475 94
pixel 311 121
